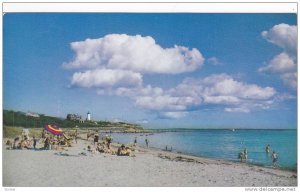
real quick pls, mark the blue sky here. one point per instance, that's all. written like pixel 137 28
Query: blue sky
pixel 162 70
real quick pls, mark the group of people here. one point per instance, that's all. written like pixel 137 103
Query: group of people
pixel 51 141
pixel 45 142
pixel 104 146
pixel 108 139
pixel 21 142
pixel 274 155
pixel 146 142
pixel 243 155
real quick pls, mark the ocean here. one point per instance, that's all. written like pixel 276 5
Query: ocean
pixel 224 144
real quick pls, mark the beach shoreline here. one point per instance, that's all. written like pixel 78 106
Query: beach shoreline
pixel 191 156
pixel 194 157
pixel 148 167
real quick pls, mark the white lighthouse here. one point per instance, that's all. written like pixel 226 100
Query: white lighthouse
pixel 88 116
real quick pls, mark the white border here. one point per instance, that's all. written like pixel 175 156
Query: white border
pixel 93 7
pixel 147 7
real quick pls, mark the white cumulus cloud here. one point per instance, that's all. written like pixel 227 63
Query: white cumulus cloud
pixel 290 79
pixel 174 115
pixel 285 63
pixel 106 78
pixel 281 63
pixel 283 35
pixel 217 89
pixel 135 53
pixel 237 109
pixel 115 65
pixel 165 102
pixel 223 88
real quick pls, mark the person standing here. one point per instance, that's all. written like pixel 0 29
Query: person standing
pixel 76 135
pixel 108 140
pixel 46 143
pixel 147 142
pixel 96 139
pixel 245 154
pixel 34 142
pixel 268 148
pixel 135 141
pixel 274 158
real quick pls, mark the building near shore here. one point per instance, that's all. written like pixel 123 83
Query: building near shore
pixel 32 114
pixel 74 117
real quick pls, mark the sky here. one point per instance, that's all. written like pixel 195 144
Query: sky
pixel 158 70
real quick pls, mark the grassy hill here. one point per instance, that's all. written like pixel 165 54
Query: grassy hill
pixel 20 119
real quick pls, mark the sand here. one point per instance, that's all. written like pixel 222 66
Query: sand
pixel 149 167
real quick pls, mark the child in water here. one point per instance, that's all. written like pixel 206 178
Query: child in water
pixel 274 158
pixel 268 148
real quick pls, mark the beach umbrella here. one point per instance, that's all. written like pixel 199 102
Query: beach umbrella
pixel 52 128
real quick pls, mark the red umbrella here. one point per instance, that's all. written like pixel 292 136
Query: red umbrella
pixel 53 129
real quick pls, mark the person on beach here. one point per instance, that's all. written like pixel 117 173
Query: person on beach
pixel 89 148
pixel 34 142
pixel 96 138
pixel 147 142
pixel 241 156
pixel 268 148
pixel 245 154
pixel 274 158
pixel 8 142
pixel 108 140
pixel 76 137
pixel 135 141
pixel 15 144
pixel 121 150
pixel 46 143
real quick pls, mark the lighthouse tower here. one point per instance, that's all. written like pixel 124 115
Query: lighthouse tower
pixel 88 118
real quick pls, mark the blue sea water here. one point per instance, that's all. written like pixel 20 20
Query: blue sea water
pixel 224 144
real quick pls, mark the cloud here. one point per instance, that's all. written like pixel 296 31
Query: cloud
pixel 134 53
pixel 174 115
pixel 218 89
pixel 214 61
pixel 115 65
pixel 285 63
pixel 223 88
pixel 281 63
pixel 290 79
pixel 285 66
pixel 284 36
pixel 166 102
pixel 143 121
pixel 106 78
pixel 237 109
pixel 285 96
pixel 139 91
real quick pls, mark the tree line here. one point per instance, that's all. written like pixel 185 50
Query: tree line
pixel 21 119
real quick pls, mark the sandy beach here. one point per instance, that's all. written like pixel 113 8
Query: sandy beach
pixel 149 167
